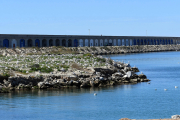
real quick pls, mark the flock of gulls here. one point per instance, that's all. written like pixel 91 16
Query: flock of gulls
pixel 166 89
pixel 147 83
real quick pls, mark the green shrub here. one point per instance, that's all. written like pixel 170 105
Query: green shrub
pixel 36 87
pixel 22 71
pixel 101 60
pixel 6 75
pixel 4 90
pixel 110 61
pixel 87 54
pixel 64 66
pixel 36 67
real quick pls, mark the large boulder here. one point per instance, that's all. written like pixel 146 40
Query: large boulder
pixel 91 69
pixel 1 87
pixel 105 70
pixel 73 77
pixel 142 76
pixel 127 69
pixel 135 69
pixel 116 75
pixel 129 74
pixel 85 84
pixel 92 83
pixel 134 80
pixel 6 83
pixel 101 78
pixel 42 85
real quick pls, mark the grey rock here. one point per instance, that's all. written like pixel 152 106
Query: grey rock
pixel 129 74
pixel 101 78
pixel 92 83
pixel 85 84
pixel 142 76
pixel 134 80
pixel 41 84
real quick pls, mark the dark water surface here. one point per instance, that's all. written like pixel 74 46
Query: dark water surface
pixel 139 101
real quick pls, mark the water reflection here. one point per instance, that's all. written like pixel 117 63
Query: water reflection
pixel 54 92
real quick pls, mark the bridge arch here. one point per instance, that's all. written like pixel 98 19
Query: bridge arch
pixel 75 43
pixel 127 42
pixel 110 42
pixel 30 43
pixel 134 42
pixel 50 42
pixel 57 42
pixel 81 43
pixel 145 42
pixel 157 42
pixel 163 42
pixel 44 43
pixel 123 42
pixel 91 42
pixel 138 42
pixel 148 42
pixel 6 43
pixel 142 42
pixel 69 43
pixel 171 41
pixel 22 43
pixel 13 43
pixel 86 42
pixel 151 42
pixel 119 42
pixel 37 43
pixel 130 42
pixel 166 41
pixel 154 41
pixel 96 42
pixel 64 42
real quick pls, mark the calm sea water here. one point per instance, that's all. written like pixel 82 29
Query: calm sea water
pixel 139 101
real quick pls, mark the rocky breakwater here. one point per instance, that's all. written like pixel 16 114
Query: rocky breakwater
pixel 108 73
pixel 98 50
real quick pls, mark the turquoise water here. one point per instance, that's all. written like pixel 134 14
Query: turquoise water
pixel 139 101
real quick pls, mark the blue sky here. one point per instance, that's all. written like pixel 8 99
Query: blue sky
pixel 106 17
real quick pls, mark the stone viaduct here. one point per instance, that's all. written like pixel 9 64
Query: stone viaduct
pixel 18 40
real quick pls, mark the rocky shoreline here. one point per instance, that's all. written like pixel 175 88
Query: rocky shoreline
pixel 97 50
pixel 99 78
pixel 20 72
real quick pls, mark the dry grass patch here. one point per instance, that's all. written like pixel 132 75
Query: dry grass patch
pixel 76 66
